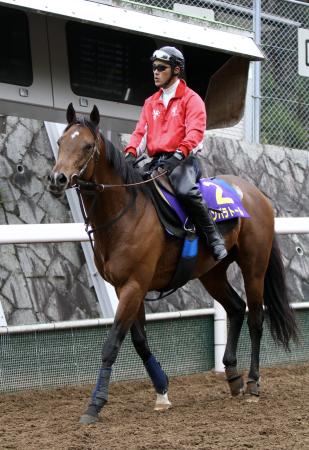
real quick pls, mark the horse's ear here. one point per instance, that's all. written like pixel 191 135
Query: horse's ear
pixel 71 114
pixel 95 116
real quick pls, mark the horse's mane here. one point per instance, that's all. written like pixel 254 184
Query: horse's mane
pixel 117 160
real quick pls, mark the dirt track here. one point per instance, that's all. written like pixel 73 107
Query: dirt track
pixel 203 416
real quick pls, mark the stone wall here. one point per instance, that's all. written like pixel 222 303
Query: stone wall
pixel 38 283
pixel 50 282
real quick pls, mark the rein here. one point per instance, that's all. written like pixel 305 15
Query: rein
pixel 91 185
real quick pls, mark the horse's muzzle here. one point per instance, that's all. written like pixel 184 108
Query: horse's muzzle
pixel 57 182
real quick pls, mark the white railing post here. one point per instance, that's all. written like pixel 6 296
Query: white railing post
pixel 220 335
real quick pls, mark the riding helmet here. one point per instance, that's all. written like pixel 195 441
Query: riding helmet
pixel 170 55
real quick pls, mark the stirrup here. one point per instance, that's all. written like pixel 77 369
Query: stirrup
pixel 189 226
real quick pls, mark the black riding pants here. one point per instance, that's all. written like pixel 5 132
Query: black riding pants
pixel 184 178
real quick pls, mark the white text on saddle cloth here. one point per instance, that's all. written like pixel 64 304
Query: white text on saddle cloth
pixel 222 199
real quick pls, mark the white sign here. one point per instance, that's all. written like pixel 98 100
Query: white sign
pixel 205 13
pixel 303 52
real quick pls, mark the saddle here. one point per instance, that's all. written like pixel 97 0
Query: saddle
pixel 224 203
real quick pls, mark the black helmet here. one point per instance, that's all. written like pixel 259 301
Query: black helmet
pixel 170 55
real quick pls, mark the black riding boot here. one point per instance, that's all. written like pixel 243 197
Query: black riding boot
pixel 202 219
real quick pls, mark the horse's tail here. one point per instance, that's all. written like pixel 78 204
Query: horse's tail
pixel 283 325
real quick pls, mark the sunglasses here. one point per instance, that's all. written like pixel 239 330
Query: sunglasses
pixel 159 67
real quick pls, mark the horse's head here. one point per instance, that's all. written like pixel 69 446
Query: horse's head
pixel 78 151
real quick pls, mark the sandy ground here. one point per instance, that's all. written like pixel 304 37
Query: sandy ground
pixel 203 416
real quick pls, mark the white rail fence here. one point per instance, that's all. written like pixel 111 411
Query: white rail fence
pixel 75 232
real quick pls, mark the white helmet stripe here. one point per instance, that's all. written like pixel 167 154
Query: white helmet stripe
pixel 161 55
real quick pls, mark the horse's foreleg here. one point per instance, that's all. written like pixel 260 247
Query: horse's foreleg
pixel 219 288
pixel 157 375
pixel 130 298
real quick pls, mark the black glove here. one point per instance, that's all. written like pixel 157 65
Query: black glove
pixel 130 158
pixel 172 162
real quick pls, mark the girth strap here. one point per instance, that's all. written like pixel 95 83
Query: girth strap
pixel 184 268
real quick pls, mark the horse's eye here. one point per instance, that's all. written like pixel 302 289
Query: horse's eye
pixel 88 147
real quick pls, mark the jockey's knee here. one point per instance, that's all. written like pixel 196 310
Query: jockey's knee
pixel 181 188
pixel 184 189
pixel 180 192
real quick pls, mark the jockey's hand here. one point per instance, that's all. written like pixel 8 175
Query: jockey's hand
pixel 172 162
pixel 130 158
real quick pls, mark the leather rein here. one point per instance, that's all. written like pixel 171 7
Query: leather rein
pixel 78 182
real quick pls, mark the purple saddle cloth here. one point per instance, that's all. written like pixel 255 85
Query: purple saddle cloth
pixel 222 199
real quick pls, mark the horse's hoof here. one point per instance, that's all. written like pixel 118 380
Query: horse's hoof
pixel 86 419
pixel 162 403
pixel 237 386
pixel 162 407
pixel 253 391
pixel 235 381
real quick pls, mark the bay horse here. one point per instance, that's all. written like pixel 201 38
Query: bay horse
pixel 133 252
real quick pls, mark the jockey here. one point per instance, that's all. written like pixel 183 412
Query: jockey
pixel 171 128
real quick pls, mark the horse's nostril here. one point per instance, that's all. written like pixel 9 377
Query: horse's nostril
pixel 61 178
pixel 50 177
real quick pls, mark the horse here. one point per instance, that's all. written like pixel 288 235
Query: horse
pixel 133 252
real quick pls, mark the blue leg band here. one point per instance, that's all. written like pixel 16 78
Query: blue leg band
pixel 157 375
pixel 100 393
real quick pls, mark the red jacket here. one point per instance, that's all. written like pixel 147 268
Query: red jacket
pixel 179 126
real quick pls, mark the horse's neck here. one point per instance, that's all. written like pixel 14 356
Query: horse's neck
pixel 103 207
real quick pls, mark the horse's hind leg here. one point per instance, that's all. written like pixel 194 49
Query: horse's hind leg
pixel 218 286
pixel 253 263
pixel 254 289
pixel 157 375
